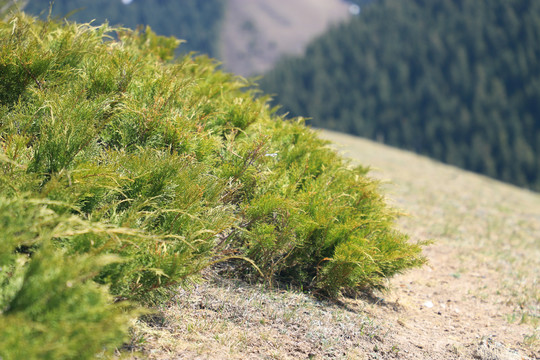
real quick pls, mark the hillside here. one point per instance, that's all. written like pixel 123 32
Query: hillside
pixel 455 80
pixel 478 298
pixel 159 206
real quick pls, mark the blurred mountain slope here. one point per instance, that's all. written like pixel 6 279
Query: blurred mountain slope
pixel 257 32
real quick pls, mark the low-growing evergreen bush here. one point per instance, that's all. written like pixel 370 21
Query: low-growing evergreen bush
pixel 124 173
pixel 50 306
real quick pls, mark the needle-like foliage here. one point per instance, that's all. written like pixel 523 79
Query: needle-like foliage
pixel 124 173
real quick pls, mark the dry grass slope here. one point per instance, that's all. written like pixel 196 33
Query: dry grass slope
pixel 478 298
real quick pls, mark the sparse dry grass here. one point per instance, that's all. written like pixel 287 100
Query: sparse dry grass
pixel 491 229
pixel 230 319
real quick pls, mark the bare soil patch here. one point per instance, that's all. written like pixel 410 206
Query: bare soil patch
pixel 479 297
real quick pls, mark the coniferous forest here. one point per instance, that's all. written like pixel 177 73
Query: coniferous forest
pixel 196 22
pixel 457 80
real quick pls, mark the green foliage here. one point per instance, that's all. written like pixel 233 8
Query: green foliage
pixel 50 307
pixel 455 80
pixel 312 210
pixel 197 22
pixel 122 171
